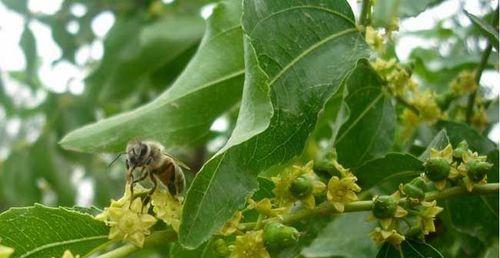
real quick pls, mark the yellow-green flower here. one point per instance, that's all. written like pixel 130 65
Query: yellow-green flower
pixel 284 181
pixel 380 236
pixel 464 83
pixel 249 245
pixel 480 119
pixel 6 252
pixel 374 39
pixel 265 207
pixel 410 120
pixel 68 254
pixel 428 213
pixel 231 226
pixel 427 106
pixel 167 208
pixel 127 220
pixel 342 190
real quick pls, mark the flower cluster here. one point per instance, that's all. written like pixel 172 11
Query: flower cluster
pixel 249 245
pixel 68 254
pixel 297 183
pixel 129 217
pixel 459 166
pixel 386 208
pixel 6 252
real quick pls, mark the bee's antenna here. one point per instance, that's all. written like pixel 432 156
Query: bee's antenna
pixel 115 159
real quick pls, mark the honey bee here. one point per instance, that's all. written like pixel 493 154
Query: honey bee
pixel 152 160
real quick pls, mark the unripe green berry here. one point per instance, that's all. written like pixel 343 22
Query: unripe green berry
pixel 413 191
pixel 278 236
pixel 437 169
pixel 477 170
pixel 384 207
pixel 460 150
pixel 301 187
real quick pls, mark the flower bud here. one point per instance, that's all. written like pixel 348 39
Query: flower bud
pixel 477 170
pixel 278 236
pixel 384 207
pixel 437 169
pixel 301 187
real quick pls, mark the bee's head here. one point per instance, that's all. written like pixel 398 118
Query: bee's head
pixel 137 153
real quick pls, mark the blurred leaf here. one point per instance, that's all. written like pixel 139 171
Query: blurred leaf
pixel 150 48
pixel 5 100
pixel 184 113
pixel 20 6
pixel 291 68
pixel 487 29
pixel 369 131
pixel 345 236
pixel 40 231
pixel 458 132
pixel 410 8
pixel 492 251
pixel 409 249
pixel 19 181
pixel 392 169
pixel 28 45
pixel 384 12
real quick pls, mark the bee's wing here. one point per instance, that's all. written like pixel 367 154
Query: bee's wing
pixel 178 162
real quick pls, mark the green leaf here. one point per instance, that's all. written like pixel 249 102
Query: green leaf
pixel 410 8
pixel 487 29
pixel 439 142
pixel 291 72
pixel 409 249
pixel 183 114
pixel 458 132
pixel 392 170
pixel 369 131
pixel 346 236
pixel 206 250
pixel 153 46
pixel 40 231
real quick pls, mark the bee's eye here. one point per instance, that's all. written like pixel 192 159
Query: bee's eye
pixel 144 149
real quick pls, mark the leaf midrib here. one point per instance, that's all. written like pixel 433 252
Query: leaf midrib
pixel 56 244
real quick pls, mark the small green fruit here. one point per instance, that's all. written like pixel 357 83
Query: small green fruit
pixel 437 169
pixel 413 191
pixel 278 236
pixel 384 207
pixel 460 150
pixel 477 170
pixel 301 187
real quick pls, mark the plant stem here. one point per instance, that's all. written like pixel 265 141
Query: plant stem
pixel 155 239
pixel 327 208
pixel 366 13
pixel 477 78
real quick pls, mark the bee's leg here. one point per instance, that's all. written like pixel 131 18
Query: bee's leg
pixel 153 189
pixel 134 181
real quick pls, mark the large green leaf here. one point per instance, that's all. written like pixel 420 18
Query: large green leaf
pixel 207 250
pixel 390 170
pixel 369 131
pixel 458 132
pixel 184 113
pixel 409 249
pixel 384 12
pixel 41 231
pixel 297 54
pixel 346 236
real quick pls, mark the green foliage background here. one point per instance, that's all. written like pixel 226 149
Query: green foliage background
pixel 167 74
